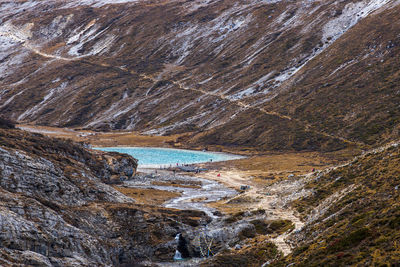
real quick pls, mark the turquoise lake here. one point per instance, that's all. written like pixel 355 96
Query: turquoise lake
pixel 155 157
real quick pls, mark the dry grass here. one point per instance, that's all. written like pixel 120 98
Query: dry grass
pixel 147 196
pixel 360 226
pixel 103 139
pixel 255 252
pixel 276 166
pixel 178 183
pixel 263 170
pixel 244 203
pixel 130 138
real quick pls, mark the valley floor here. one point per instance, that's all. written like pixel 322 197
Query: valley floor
pixel 272 179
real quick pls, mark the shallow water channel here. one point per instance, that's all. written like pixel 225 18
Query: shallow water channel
pixel 191 198
pixel 195 194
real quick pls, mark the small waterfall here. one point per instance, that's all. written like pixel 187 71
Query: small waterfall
pixel 178 255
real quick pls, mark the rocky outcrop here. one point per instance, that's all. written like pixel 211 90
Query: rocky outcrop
pixel 119 167
pixel 40 178
pixel 56 210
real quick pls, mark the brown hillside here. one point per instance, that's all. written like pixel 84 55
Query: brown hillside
pixel 164 67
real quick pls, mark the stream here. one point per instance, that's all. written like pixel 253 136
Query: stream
pixel 208 191
pixel 191 198
pixel 220 233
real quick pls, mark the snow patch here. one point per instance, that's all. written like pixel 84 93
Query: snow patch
pixel 102 45
pixel 12 98
pixel 97 3
pixel 242 94
pixel 10 59
pixel 11 8
pixel 260 46
pixel 225 26
pixel 351 14
pixel 254 89
pixel 85 37
pixel 78 35
pixel 42 104
pixel 343 66
pixel 56 27
pixel 206 80
pixel 195 5
pixel 335 28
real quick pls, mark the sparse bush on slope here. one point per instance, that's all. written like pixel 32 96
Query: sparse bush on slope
pixel 361 225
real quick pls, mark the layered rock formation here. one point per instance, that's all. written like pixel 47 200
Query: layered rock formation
pixel 57 210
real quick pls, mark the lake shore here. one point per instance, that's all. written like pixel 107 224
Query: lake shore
pixel 227 189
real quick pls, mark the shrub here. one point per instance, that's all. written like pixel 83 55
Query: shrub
pixel 353 239
pixel 6 123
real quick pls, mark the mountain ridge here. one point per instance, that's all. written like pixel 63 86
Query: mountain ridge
pixel 140 82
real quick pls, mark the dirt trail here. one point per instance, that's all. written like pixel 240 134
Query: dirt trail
pixel 179 84
pixel 25 44
pixel 236 178
pixel 247 106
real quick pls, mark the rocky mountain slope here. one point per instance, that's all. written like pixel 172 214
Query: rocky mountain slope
pixel 352 214
pixel 57 209
pixel 349 217
pixel 258 74
pixel 267 74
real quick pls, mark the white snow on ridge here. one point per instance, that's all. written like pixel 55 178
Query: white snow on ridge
pixel 216 31
pixel 78 35
pixel 227 27
pixel 206 80
pixel 56 27
pixel 46 99
pixel 195 5
pixel 343 66
pixel 335 28
pixel 250 91
pixel 332 30
pixel 351 14
pixel 8 61
pixel 16 7
pixel 97 3
pixel 8 101
pixel 88 34
pixel 102 45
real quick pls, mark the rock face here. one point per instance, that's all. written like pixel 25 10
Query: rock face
pixel 56 210
pixel 40 178
pixel 268 74
pixel 119 168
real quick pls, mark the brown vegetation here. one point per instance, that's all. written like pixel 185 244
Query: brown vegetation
pixel 179 183
pixel 6 123
pixel 258 251
pixel 313 110
pixel 147 196
pixel 358 226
